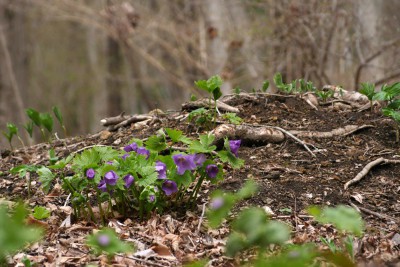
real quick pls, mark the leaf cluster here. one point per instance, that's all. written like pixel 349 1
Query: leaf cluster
pixel 296 86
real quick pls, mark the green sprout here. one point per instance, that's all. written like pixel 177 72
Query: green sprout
pixel 324 94
pixel 11 131
pixel 368 89
pixel 213 87
pixel 60 119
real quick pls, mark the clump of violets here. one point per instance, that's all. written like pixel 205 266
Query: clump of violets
pixel 234 146
pixel 184 163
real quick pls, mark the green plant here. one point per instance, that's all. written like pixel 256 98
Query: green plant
pixel 40 213
pixel 21 170
pixel 265 86
pixel 390 94
pixel 41 120
pixel 144 176
pixel 324 94
pixel 296 86
pixel 368 89
pixel 11 131
pixel 14 233
pixel 106 241
pixel 232 118
pixel 60 119
pixel 202 117
pixel 29 128
pixel 213 87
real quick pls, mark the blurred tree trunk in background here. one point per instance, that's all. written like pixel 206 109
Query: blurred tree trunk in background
pixel 14 62
pixel 114 77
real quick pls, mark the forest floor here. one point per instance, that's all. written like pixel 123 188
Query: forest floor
pixel 289 177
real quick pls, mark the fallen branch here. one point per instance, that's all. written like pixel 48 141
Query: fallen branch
pixel 374 213
pixel 248 134
pixel 367 168
pixel 114 120
pixel 206 103
pixel 130 120
pixel 346 130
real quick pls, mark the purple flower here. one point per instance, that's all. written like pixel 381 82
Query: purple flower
pixel 152 198
pixel 234 146
pixel 111 178
pixel 169 187
pixel 131 147
pixel 161 168
pixel 216 203
pixel 199 159
pixel 125 156
pixel 103 240
pixel 128 180
pixel 90 173
pixel 110 162
pixel 212 170
pixel 102 186
pixel 184 163
pixel 143 151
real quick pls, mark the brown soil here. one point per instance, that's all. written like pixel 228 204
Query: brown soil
pixel 287 174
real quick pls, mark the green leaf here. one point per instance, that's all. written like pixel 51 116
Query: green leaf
pixel 12 129
pixel 14 232
pixel 52 156
pixel 23 169
pixel 249 189
pixel 298 256
pixel 202 84
pixel 342 217
pixel 88 158
pixel 45 177
pixel 40 213
pixel 368 89
pixel 148 176
pixel 214 82
pixel 395 104
pixel 58 115
pixel 106 153
pixel 29 128
pixel 278 80
pixel 228 157
pixel 61 164
pixel 34 116
pixel 232 118
pixel 156 143
pixel 217 93
pixel 265 86
pixel 177 136
pixel 47 121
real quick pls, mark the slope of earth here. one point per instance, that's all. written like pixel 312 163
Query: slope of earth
pixel 290 179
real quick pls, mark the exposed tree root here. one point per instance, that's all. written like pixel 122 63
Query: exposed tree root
pixel 114 123
pixel 206 103
pixel 346 130
pixel 367 168
pixel 254 135
pixel 374 213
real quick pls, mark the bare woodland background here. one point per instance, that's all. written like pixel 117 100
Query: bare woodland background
pixel 97 58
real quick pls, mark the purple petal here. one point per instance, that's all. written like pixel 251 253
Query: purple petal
pixel 216 203
pixel 161 168
pixel 212 170
pixel 169 187
pixel 90 173
pixel 111 178
pixel 103 240
pixel 199 159
pixel 128 180
pixel 143 151
pixel 152 198
pixel 131 147
pixel 234 146
pixel 184 163
pixel 102 186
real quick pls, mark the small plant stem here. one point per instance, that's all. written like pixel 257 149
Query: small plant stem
pixel 20 140
pixel 11 147
pixel 43 134
pixel 141 207
pixel 65 130
pixel 196 190
pixel 89 207
pixel 100 208
pixel 397 132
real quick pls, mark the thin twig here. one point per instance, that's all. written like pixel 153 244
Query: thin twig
pixel 201 218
